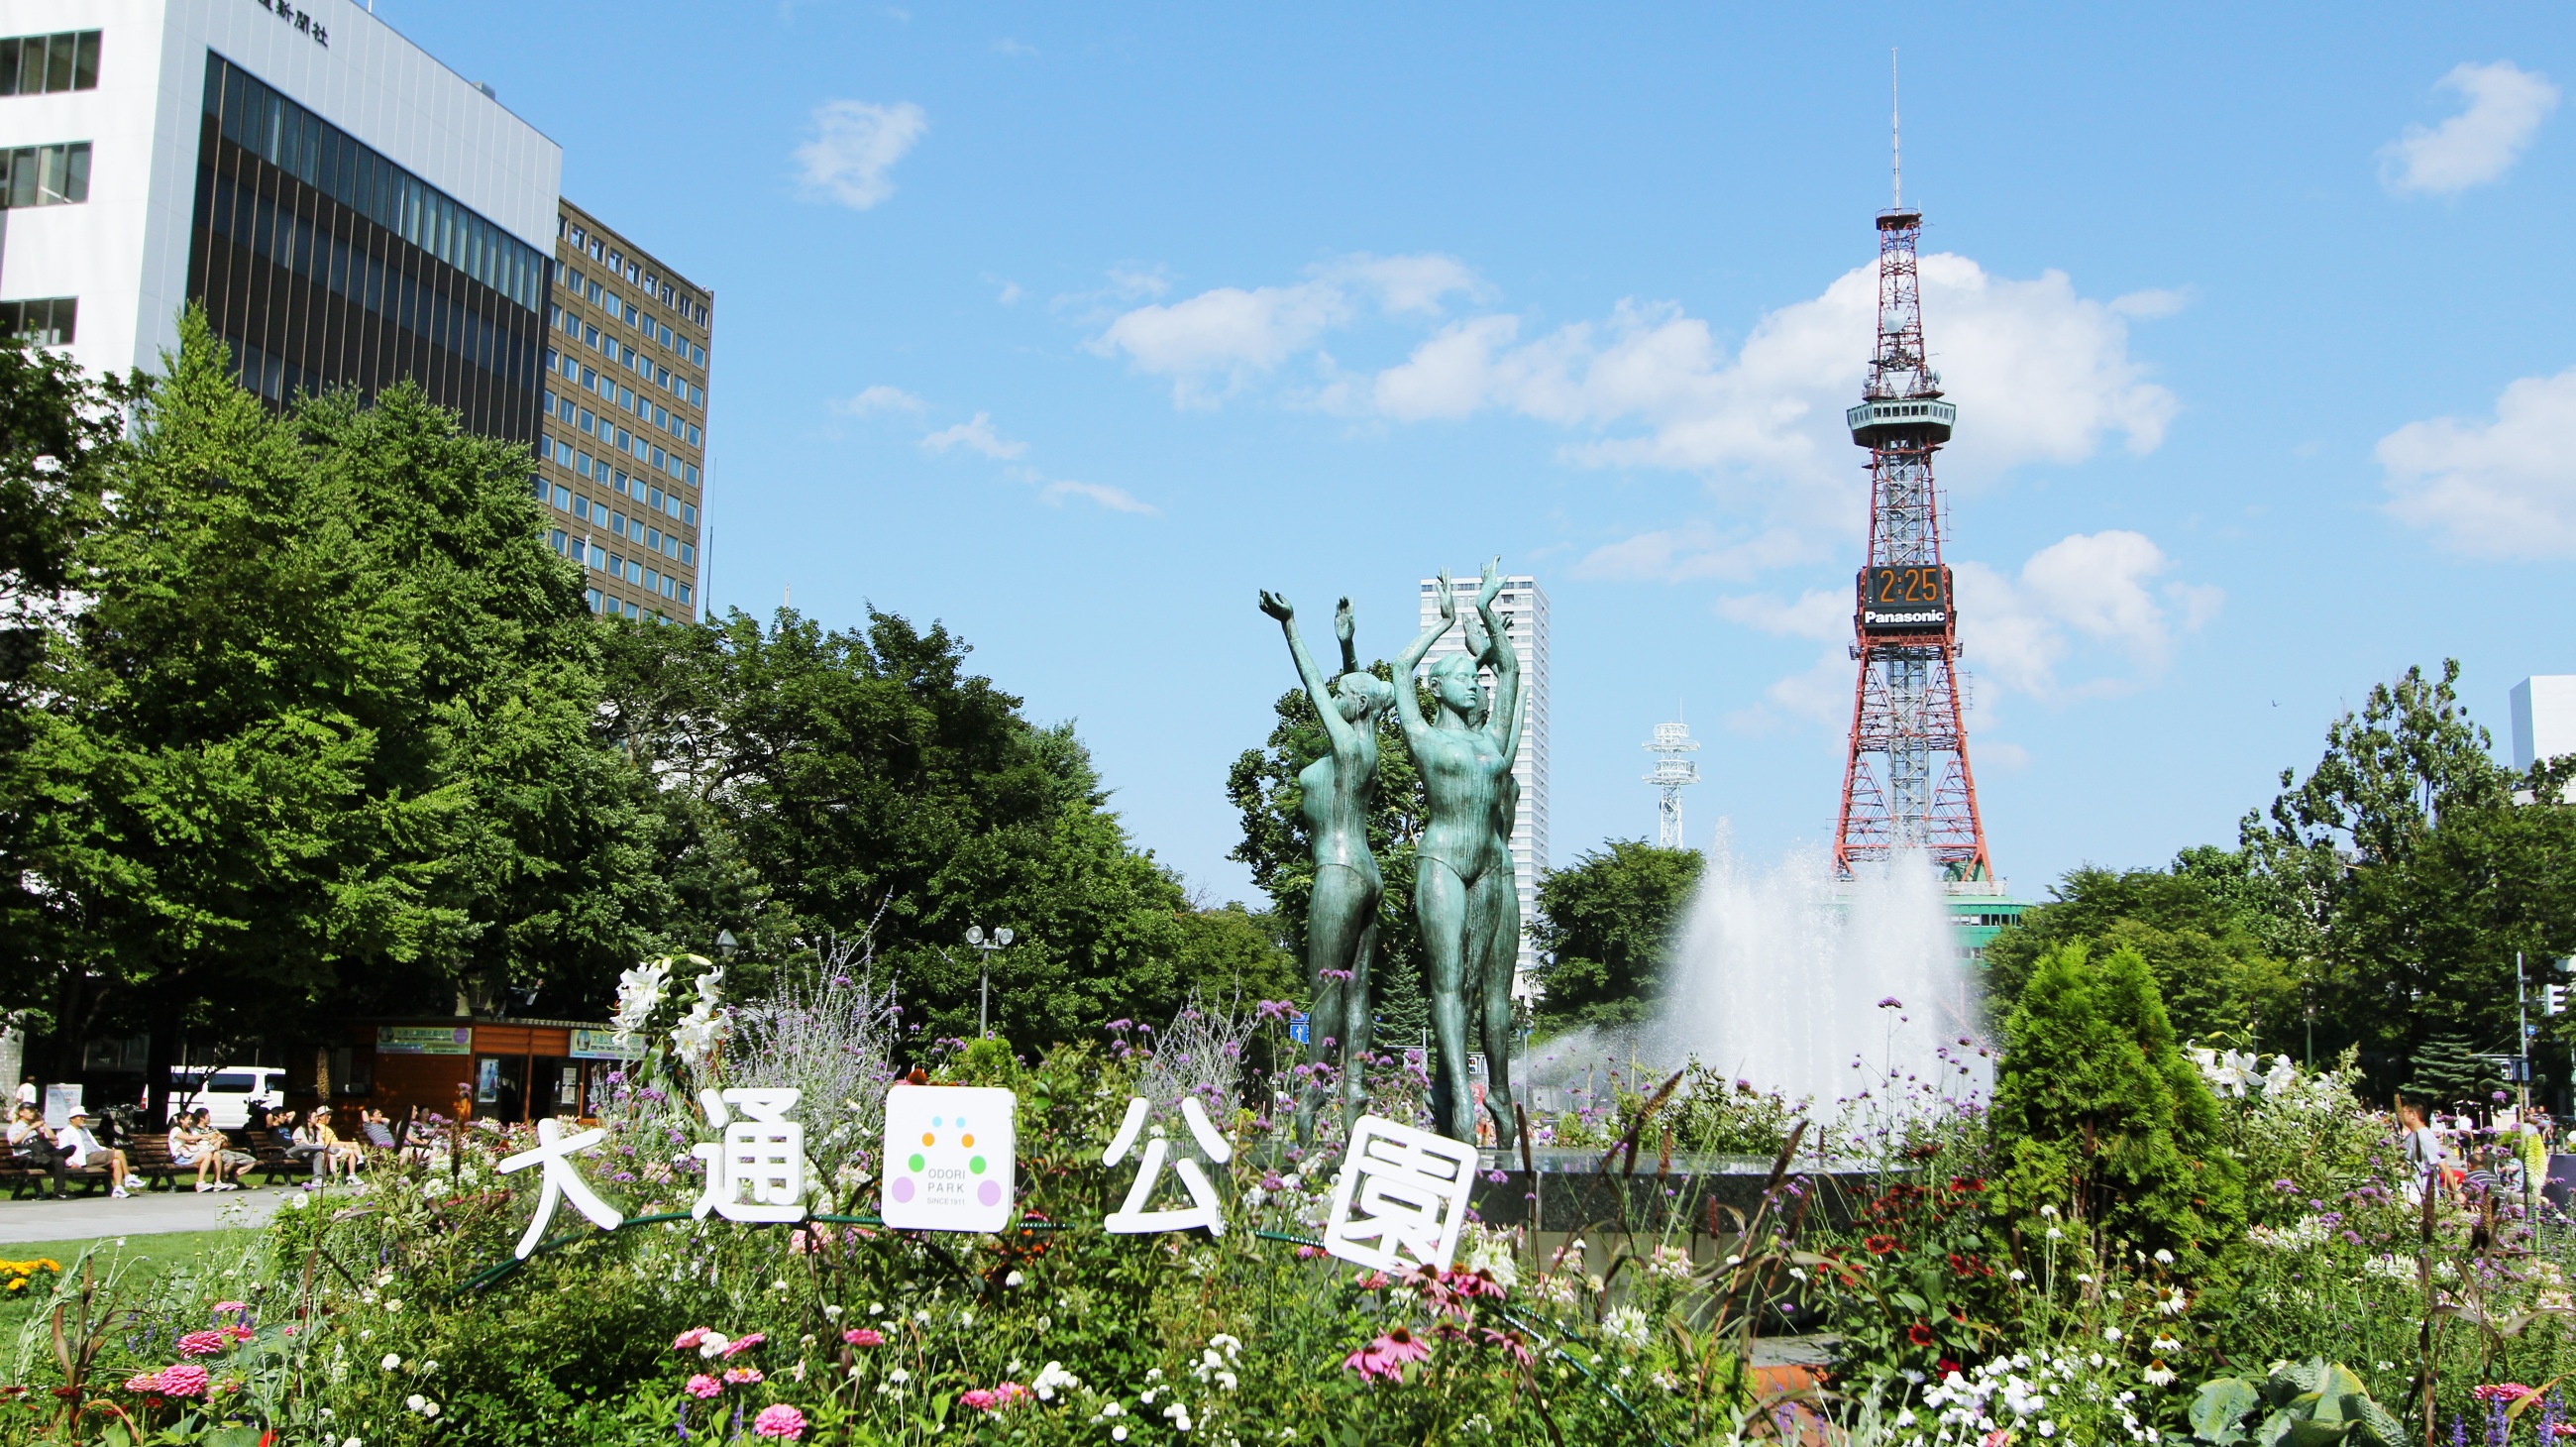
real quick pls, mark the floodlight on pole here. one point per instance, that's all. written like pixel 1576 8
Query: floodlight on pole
pixel 1672 773
pixel 986 945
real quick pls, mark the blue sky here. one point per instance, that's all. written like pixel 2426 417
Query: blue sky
pixel 1072 327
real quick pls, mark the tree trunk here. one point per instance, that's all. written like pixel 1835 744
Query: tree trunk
pixel 159 1059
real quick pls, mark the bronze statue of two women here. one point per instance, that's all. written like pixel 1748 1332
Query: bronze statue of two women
pixel 1465 901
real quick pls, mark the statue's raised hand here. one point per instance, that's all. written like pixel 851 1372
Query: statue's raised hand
pixel 1493 587
pixel 1276 605
pixel 1448 598
pixel 1343 628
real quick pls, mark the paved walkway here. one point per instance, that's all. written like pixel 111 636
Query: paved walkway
pixel 145 1213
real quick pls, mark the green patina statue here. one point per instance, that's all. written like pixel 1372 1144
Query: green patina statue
pixel 1339 794
pixel 1464 895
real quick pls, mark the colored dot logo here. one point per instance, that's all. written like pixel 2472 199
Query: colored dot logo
pixel 950 1171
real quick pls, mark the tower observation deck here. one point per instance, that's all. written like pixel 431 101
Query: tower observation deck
pixel 1907 785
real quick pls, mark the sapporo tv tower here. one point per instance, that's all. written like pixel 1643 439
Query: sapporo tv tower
pixel 1906 782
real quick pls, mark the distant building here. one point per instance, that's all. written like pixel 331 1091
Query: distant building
pixel 625 404
pixel 1523 608
pixel 349 211
pixel 2544 722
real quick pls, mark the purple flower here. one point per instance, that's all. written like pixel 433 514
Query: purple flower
pixel 1891 1003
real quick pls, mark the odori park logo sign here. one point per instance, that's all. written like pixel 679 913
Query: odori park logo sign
pixel 1399 1196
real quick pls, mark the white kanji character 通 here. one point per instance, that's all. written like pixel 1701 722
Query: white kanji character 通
pixel 1131 1217
pixel 764 1156
pixel 1400 1198
pixel 553 1154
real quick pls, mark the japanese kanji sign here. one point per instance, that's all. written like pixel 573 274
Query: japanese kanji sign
pixel 949 1158
pixel 1400 1198
pixel 1131 1217
pixel 553 1154
pixel 762 1157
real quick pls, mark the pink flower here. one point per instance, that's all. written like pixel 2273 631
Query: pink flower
pixel 2000 1437
pixel 979 1398
pixel 144 1382
pixel 866 1336
pixel 231 1308
pixel 741 1376
pixel 702 1386
pixel 1372 1281
pixel 1510 1344
pixel 780 1421
pixel 1386 1357
pixel 688 1339
pixel 184 1380
pixel 203 1343
pixel 1010 1394
pixel 2492 1392
pixel 1307 1253
pixel 742 1344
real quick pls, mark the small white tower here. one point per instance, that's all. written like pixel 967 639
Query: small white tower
pixel 1672 773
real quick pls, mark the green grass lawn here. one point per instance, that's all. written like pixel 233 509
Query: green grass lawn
pixel 144 1253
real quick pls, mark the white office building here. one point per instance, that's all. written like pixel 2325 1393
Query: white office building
pixel 1523 608
pixel 348 210
pixel 2544 721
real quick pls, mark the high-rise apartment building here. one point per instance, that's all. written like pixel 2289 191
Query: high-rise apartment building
pixel 1523 608
pixel 624 405
pixel 348 210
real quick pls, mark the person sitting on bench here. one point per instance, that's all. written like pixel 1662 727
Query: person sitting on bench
pixel 87 1152
pixel 309 1147
pixel 227 1159
pixel 34 1142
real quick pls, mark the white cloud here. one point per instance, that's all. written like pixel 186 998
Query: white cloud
pixel 873 400
pixel 1818 613
pixel 2097 589
pixel 1229 334
pixel 1010 294
pixel 855 144
pixel 2506 105
pixel 2502 489
pixel 976 434
pixel 1007 46
pixel 1696 550
pixel 1116 499
pixel 2039 373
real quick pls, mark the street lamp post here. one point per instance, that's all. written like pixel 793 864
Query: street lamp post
pixel 725 943
pixel 987 945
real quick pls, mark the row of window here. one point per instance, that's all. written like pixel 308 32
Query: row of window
pixel 55 175
pixel 607 607
pixel 625 356
pixel 633 530
pixel 43 64
pixel 376 283
pixel 323 156
pixel 590 380
pixel 626 311
pixel 48 320
pixel 632 570
pixel 624 400
pixel 598 249
pixel 563 454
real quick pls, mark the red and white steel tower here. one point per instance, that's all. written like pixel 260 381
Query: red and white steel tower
pixel 1906 782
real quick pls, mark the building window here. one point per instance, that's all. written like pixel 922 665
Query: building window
pixel 45 175
pixel 47 321
pixel 42 64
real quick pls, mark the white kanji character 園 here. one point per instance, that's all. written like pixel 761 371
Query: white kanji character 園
pixel 1131 1217
pixel 1409 1191
pixel 553 1154
pixel 764 1156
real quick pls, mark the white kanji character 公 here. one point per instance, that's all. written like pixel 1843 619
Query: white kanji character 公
pixel 553 1153
pixel 1409 1190
pixel 764 1156
pixel 1131 1217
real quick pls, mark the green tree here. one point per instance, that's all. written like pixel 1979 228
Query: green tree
pixel 2414 877
pixel 2446 1072
pixel 2097 1112
pixel 1606 928
pixel 2202 942
pixel 862 783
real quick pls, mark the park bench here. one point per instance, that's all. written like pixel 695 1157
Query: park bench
pixel 25 1179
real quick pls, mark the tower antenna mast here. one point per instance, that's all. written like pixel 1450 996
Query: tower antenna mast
pixel 1895 133
pixel 1672 773
pixel 1907 787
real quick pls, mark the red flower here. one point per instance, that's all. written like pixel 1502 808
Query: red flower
pixel 1919 1334
pixel 1879 1245
pixel 1949 1365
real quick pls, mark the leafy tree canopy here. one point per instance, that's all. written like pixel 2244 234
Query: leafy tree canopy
pixel 1607 927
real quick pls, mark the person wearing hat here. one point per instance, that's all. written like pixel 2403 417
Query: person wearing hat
pixel 85 1150
pixel 38 1144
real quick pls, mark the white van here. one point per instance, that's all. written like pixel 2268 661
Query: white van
pixel 226 1091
